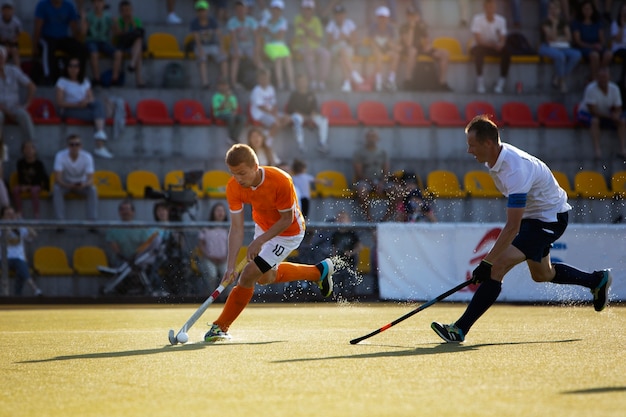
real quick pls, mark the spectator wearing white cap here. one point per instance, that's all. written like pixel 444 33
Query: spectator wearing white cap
pixel 274 30
pixel 341 38
pixel 385 46
pixel 307 40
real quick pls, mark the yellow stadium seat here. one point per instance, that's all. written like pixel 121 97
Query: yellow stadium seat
pixel 338 185
pixel 164 46
pixel 25 44
pixel 480 184
pixel 563 181
pixel 51 260
pixel 214 183
pixel 108 184
pixel 87 259
pixel 137 181
pixel 453 46
pixel 444 184
pixel 176 179
pixel 13 182
pixel 618 184
pixel 591 184
pixel 364 266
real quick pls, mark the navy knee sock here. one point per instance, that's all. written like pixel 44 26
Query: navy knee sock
pixel 484 297
pixel 566 274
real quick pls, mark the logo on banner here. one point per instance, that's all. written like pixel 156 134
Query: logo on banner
pixel 481 249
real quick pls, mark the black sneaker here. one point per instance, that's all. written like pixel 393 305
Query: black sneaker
pixel 601 292
pixel 448 332
pixel 325 283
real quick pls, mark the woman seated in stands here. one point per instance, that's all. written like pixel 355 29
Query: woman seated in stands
pixel 213 247
pixel 32 178
pixel 76 100
pixel 589 38
pixel 264 152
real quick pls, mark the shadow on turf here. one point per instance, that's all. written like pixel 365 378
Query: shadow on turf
pixel 141 352
pixel 434 350
pixel 597 390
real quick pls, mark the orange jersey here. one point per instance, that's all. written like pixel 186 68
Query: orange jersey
pixel 276 193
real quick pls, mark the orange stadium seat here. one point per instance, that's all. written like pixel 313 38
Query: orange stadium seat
pixel 130 119
pixel 591 184
pixel 153 112
pixel 445 113
pixel 164 45
pixel 37 109
pixel 338 113
pixel 409 113
pixel 563 181
pixel 137 181
pixel 444 184
pixel 618 184
pixel 480 184
pixel 518 114
pixel 373 113
pixel 553 114
pixel 477 107
pixel 190 113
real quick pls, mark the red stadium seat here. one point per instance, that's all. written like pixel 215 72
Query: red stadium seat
pixel 37 112
pixel 409 113
pixel 190 113
pixel 445 113
pixel 477 107
pixel 153 112
pixel 338 113
pixel 518 114
pixel 552 114
pixel 373 113
pixel 130 120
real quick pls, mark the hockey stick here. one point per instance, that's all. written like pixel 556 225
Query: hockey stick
pixel 181 336
pixel 412 312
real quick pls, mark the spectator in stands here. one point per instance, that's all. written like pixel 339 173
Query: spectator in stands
pixel 415 41
pixel 16 255
pixel 32 178
pixel 225 107
pixel 489 31
pixel 305 112
pixel 276 49
pixel 325 10
pixel 244 40
pixel 264 106
pixel 307 40
pixel 601 108
pixel 208 41
pixel 213 247
pixel 130 39
pixel 415 207
pixel 618 36
pixel 264 151
pixel 4 157
pixel 76 100
pixel 10 29
pixel 556 44
pixel 11 107
pixel 53 20
pixel 371 172
pixel 341 36
pixel 97 26
pixel 172 18
pixel 303 181
pixel 589 37
pixel 73 173
pixel 345 244
pixel 392 5
pixel 385 47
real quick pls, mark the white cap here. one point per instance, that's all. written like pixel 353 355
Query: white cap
pixel 383 11
pixel 278 4
pixel 308 3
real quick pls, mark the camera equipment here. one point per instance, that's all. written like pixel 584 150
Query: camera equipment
pixel 179 197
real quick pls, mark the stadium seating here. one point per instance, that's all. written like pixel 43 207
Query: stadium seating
pixel 364 266
pixel 214 183
pixel 444 184
pixel 478 107
pixel 618 184
pixel 373 113
pixel 137 181
pixel 108 184
pixel 563 181
pixel 480 184
pixel 190 113
pixel 553 114
pixel 591 184
pixel 453 46
pixel 13 179
pixel 164 46
pixel 175 179
pixel 445 114
pixel 338 185
pixel 37 110
pixel 409 113
pixel 338 113
pixel 25 44
pixel 87 259
pixel 153 112
pixel 517 114
pixel 51 260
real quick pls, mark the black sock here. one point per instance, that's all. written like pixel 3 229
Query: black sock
pixel 484 297
pixel 566 274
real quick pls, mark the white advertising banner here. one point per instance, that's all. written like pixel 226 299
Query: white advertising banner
pixel 421 261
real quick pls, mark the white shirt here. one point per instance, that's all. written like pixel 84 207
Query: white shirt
pixel 17 250
pixel 603 102
pixel 489 31
pixel 347 27
pixel 302 182
pixel 74 92
pixel 617 44
pixel 517 172
pixel 261 97
pixel 74 171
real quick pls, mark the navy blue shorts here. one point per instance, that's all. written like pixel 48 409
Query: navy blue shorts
pixel 535 237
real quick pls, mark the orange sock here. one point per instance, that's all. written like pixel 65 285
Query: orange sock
pixel 237 300
pixel 288 271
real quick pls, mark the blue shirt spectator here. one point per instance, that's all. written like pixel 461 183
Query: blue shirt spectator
pixel 57 16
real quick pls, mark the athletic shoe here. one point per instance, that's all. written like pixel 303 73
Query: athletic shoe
pixel 173 19
pixel 326 280
pixel 346 87
pixel 100 135
pixel 448 332
pixel 103 152
pixel 215 334
pixel 601 292
pixel 499 88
